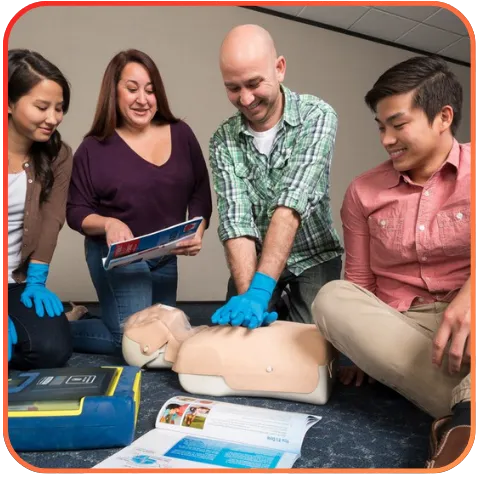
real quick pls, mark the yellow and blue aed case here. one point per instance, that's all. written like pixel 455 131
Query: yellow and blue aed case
pixel 73 408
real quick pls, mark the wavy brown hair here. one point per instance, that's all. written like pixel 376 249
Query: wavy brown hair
pixel 107 117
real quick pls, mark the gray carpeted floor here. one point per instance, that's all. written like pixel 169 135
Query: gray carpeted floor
pixel 362 427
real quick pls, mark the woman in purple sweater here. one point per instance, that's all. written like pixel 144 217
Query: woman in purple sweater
pixel 138 170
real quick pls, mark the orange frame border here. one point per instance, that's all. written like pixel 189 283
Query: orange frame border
pixel 235 4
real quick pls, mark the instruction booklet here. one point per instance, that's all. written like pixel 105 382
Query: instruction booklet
pixel 150 246
pixel 197 433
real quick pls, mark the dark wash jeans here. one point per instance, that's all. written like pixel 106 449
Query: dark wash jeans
pixel 121 291
pixel 43 342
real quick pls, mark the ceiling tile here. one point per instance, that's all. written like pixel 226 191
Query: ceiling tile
pixel 428 38
pixel 342 17
pixel 448 21
pixel 413 13
pixel 459 50
pixel 294 11
pixel 382 25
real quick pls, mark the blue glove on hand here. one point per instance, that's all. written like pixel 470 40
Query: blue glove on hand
pixel 36 292
pixel 249 309
pixel 12 337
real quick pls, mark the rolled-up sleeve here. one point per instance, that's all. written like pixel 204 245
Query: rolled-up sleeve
pixel 306 178
pixel 82 199
pixel 356 241
pixel 234 207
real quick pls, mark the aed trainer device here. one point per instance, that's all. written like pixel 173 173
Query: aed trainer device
pixel 73 408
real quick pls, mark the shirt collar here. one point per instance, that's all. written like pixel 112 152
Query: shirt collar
pixel 393 178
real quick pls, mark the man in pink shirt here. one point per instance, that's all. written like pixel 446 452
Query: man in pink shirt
pixel 403 313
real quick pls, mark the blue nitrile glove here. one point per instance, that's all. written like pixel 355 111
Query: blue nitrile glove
pixel 36 292
pixel 12 337
pixel 249 309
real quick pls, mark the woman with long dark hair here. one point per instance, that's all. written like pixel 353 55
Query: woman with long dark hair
pixel 139 169
pixel 39 170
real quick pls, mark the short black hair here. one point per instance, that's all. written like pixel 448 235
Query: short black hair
pixel 434 83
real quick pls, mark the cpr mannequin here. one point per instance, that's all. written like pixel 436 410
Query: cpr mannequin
pixel 283 360
pixel 152 337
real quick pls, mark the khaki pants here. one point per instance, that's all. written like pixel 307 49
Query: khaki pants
pixel 394 348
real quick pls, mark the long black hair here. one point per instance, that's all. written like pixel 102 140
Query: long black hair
pixel 26 69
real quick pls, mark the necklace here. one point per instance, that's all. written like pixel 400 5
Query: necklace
pixel 14 171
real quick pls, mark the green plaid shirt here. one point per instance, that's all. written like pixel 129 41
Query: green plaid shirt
pixel 250 185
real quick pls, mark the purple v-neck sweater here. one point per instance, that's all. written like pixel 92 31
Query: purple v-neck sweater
pixel 111 180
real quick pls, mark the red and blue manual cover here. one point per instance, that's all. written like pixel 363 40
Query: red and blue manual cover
pixel 150 246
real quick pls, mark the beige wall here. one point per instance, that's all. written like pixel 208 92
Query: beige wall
pixel 184 41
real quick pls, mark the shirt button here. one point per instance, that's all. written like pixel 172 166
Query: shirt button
pixel 421 227
pixel 459 216
pixel 424 258
pixel 26 165
pixel 26 229
pixel 30 181
pixel 383 223
pixel 427 193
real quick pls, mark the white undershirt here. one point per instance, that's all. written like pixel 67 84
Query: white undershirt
pixel 17 191
pixel 264 140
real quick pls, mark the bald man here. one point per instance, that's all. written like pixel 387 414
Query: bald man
pixel 271 164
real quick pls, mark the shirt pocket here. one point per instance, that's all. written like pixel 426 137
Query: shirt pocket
pixel 454 231
pixel 243 171
pixel 253 180
pixel 386 234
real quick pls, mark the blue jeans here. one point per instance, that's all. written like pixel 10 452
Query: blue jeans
pixel 121 291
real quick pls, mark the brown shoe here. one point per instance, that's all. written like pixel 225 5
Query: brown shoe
pixel 446 447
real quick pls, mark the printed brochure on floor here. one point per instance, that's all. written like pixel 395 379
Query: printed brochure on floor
pixel 197 433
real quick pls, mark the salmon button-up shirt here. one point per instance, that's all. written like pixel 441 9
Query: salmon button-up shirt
pixel 409 243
